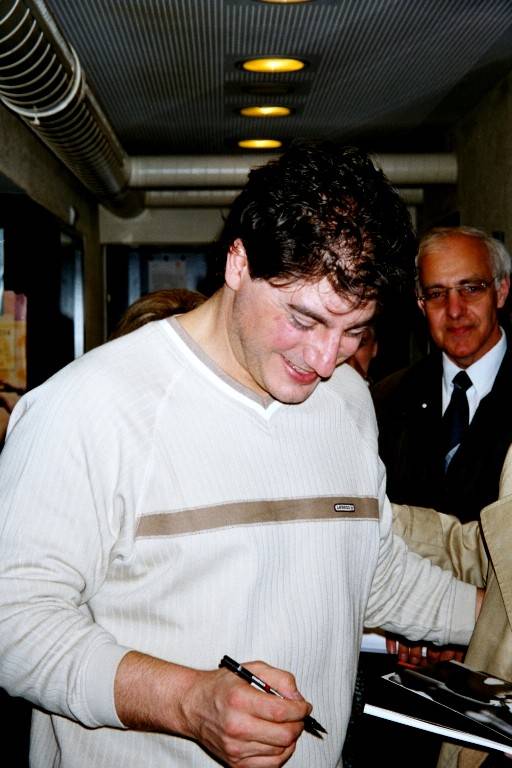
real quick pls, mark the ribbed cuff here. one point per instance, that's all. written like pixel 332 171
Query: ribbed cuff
pixel 99 684
pixel 464 619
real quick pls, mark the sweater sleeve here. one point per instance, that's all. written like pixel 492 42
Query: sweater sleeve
pixel 413 597
pixel 59 531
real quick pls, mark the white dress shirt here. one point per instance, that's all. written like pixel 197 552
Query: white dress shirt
pixel 482 375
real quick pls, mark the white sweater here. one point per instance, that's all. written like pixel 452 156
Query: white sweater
pixel 151 503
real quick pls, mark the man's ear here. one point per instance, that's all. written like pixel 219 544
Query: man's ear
pixel 421 306
pixel 502 291
pixel 236 264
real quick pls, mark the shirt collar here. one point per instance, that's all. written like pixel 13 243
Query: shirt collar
pixel 482 373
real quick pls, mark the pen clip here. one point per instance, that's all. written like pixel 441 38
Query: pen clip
pixel 229 663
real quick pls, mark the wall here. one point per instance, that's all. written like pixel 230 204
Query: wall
pixel 37 172
pixel 484 151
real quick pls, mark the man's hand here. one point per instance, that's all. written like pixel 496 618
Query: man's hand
pixel 242 726
pixel 421 655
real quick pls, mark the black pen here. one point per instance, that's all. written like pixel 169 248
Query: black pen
pixel 310 724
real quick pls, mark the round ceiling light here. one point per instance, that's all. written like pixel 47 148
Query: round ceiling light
pixel 265 111
pixel 273 64
pixel 260 143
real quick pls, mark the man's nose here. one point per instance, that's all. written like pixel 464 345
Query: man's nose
pixel 454 303
pixel 327 350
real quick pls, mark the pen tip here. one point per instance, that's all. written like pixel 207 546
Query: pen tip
pixel 314 727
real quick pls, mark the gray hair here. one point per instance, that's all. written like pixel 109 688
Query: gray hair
pixel 498 254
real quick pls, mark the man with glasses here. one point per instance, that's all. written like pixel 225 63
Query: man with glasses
pixel 445 424
pixel 445 427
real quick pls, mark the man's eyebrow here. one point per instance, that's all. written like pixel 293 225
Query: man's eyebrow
pixel 462 281
pixel 303 310
pixel 307 312
pixel 323 319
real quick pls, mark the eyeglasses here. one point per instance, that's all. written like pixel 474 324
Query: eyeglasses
pixel 468 292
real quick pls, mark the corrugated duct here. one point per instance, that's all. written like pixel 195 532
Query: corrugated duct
pixel 41 81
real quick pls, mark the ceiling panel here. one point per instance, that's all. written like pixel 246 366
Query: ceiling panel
pixel 387 73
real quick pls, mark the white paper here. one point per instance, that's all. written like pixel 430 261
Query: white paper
pixel 374 642
pixel 423 725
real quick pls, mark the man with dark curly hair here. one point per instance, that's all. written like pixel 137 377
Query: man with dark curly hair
pixel 209 484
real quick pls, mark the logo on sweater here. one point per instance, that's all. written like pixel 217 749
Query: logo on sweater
pixel 344 508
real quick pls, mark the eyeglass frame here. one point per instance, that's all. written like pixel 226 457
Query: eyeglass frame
pixel 445 289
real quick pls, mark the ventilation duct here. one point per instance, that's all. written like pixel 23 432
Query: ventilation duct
pixel 42 82
pixel 231 171
pixel 432 168
pixel 189 198
pixel 193 171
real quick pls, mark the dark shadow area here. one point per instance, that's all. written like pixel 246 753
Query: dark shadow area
pixel 35 265
pixel 43 262
pixel 15 716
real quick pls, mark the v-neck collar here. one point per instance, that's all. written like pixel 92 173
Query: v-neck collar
pixel 196 353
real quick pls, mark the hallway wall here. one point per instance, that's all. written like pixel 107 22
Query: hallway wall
pixel 484 151
pixel 36 171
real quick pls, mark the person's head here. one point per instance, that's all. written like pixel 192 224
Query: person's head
pixel 366 351
pixel 311 245
pixel 155 306
pixel 322 211
pixel 463 278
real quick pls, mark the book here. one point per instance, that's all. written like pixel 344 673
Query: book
pixel 450 699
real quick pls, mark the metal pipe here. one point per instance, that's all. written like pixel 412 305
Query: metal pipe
pixel 431 168
pixel 189 198
pixel 231 170
pixel 193 171
pixel 42 82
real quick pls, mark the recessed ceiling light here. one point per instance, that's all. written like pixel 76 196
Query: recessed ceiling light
pixel 265 111
pixel 260 143
pixel 273 64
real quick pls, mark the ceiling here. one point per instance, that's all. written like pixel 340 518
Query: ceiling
pixel 390 75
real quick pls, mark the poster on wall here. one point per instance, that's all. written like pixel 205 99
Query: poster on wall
pixel 176 270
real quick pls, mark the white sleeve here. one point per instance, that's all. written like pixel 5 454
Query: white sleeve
pixel 58 533
pixel 412 597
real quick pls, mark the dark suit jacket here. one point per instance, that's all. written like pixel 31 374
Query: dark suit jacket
pixel 408 406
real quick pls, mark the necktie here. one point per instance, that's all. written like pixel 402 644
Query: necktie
pixel 456 416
